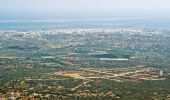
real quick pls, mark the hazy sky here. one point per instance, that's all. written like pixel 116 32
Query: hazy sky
pixel 44 9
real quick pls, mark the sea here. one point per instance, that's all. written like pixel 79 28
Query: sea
pixel 20 25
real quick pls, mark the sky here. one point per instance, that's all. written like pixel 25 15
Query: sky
pixel 83 9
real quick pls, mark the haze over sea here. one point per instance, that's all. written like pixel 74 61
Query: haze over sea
pixel 33 14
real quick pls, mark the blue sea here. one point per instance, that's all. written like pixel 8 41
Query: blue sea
pixel 84 24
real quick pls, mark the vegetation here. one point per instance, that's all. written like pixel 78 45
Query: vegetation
pixel 28 62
